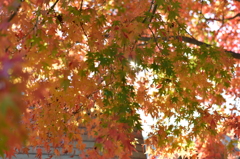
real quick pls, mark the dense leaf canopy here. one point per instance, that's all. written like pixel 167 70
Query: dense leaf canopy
pixel 66 64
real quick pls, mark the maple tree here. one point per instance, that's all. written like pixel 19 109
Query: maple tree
pixel 67 64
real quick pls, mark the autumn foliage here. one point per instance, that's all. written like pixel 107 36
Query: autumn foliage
pixel 67 64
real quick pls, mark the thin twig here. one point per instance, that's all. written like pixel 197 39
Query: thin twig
pixel 81 25
pixel 191 41
pixel 220 26
pixel 13 15
pixel 201 14
pixel 81 6
pixel 184 29
pixel 52 7
pixel 31 30
pixel 8 20
pixel 15 12
pixel 216 19
pixel 36 23
pixel 153 12
pixel 145 19
pixel 83 30
pixel 155 39
pixel 223 22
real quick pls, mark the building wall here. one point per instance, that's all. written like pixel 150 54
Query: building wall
pixel 89 145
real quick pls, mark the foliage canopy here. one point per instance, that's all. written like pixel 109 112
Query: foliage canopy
pixel 94 63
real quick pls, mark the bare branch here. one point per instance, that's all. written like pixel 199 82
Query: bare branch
pixel 12 16
pixel 191 41
pixel 153 12
pixel 52 7
pixel 145 19
pixel 155 39
pixel 81 7
pixel 230 18
pixel 81 24
pixel 15 8
pixel 15 12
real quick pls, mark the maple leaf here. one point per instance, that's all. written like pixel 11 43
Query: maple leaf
pixel 70 69
pixel 39 153
pixel 10 154
pixel 56 151
pixel 25 150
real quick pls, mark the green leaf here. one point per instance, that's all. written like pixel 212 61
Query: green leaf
pixel 160 2
pixel 155 67
pixel 174 99
pixel 6 103
pixel 99 146
pixel 108 93
pixel 65 84
pixel 172 15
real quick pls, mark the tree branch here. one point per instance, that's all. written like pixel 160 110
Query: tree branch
pixel 155 39
pixel 191 41
pixel 15 8
pixel 52 7
pixel 15 12
pixel 145 19
pixel 230 18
